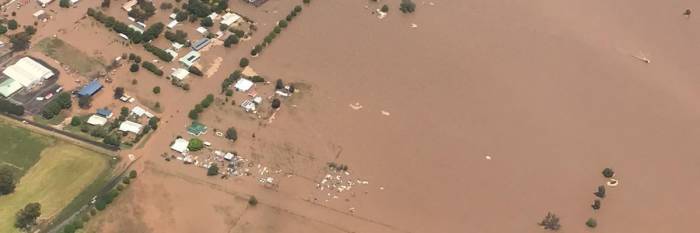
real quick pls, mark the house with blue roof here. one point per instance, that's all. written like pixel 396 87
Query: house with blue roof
pixel 91 88
pixel 104 112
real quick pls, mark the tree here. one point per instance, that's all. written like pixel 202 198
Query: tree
pixel 113 140
pixel 307 1
pixel 407 6
pixel 194 115
pixel 7 181
pixel 244 62
pixel 132 174
pixel 69 228
pixel 118 92
pixel 84 102
pixel 276 103
pixel 105 3
pixel 550 222
pixel 596 204
pixel 64 3
pixel 385 9
pixel 156 90
pixel 181 16
pixel 194 70
pixel 26 218
pixel 75 121
pixel 231 134
pixel 166 6
pixel 3 30
pixel 297 8
pixel 282 23
pixel 279 84
pixel 206 22
pixel 134 67
pixel 213 170
pixel 12 24
pixel 186 87
pixel 592 223
pixel 687 13
pixel 229 92
pixel 20 41
pixel 601 192
pixel 608 173
pixel 153 122
pixel 231 40
pixel 252 201
pixel 137 59
pixel 195 144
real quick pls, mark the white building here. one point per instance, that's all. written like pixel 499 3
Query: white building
pixel 230 18
pixel 190 58
pixel 130 4
pixel 28 72
pixel 202 30
pixel 132 127
pixel 243 85
pixel 138 111
pixel 179 74
pixel 180 145
pixel 97 120
pixel 44 3
pixel 172 24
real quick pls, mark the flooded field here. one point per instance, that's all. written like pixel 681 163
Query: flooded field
pixel 465 116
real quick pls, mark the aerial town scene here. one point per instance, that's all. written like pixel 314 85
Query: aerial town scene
pixel 349 116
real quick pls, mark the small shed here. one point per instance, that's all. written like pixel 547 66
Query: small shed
pixel 197 129
pixel 243 85
pixel 131 127
pixel 180 145
pixel 179 74
pixel 248 105
pixel 139 111
pixel 230 18
pixel 190 58
pixel 176 46
pixel 202 30
pixel 97 120
pixel 200 44
pixel 91 88
pixel 104 112
pixel 172 24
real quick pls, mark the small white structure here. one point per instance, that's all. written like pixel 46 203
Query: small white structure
pixel 190 58
pixel 180 145
pixel 28 72
pixel 213 16
pixel 136 28
pixel 230 18
pixel 130 4
pixel 248 105
pixel 131 127
pixel 40 14
pixel 97 120
pixel 43 3
pixel 258 100
pixel 123 36
pixel 171 52
pixel 138 111
pixel 173 16
pixel 202 30
pixel 228 156
pixel 73 2
pixel 179 74
pixel 243 85
pixel 176 46
pixel 172 24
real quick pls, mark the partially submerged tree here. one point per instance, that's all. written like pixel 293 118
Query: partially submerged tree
pixel 252 201
pixel 231 134
pixel 596 204
pixel 550 222
pixel 608 173
pixel 407 6
pixel 592 223
pixel 195 144
pixel 244 62
pixel 276 103
pixel 601 192
pixel 213 170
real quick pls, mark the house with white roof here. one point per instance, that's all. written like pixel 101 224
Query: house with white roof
pixel 131 127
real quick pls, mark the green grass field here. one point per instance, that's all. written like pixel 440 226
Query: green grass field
pixel 56 174
pixel 69 55
pixel 21 147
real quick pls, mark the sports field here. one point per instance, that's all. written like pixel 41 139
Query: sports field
pixel 69 55
pixel 55 172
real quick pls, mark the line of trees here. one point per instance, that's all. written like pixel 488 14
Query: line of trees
pixel 199 108
pixel 178 36
pixel 282 24
pixel 153 31
pixel 230 80
pixel 145 10
pixel 152 68
pixel 119 27
pixel 160 53
pixel 11 108
pixel 53 108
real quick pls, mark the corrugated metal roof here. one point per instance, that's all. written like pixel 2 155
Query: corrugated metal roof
pixel 91 88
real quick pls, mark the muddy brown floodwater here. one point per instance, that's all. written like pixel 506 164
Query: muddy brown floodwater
pixel 551 91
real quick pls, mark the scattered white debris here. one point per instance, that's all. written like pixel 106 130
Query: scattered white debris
pixel 132 157
pixel 385 113
pixel 413 25
pixel 488 157
pixel 356 106
pixel 613 183
pixel 381 188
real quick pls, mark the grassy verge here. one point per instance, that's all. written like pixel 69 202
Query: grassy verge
pixel 21 148
pixel 58 119
pixel 69 55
